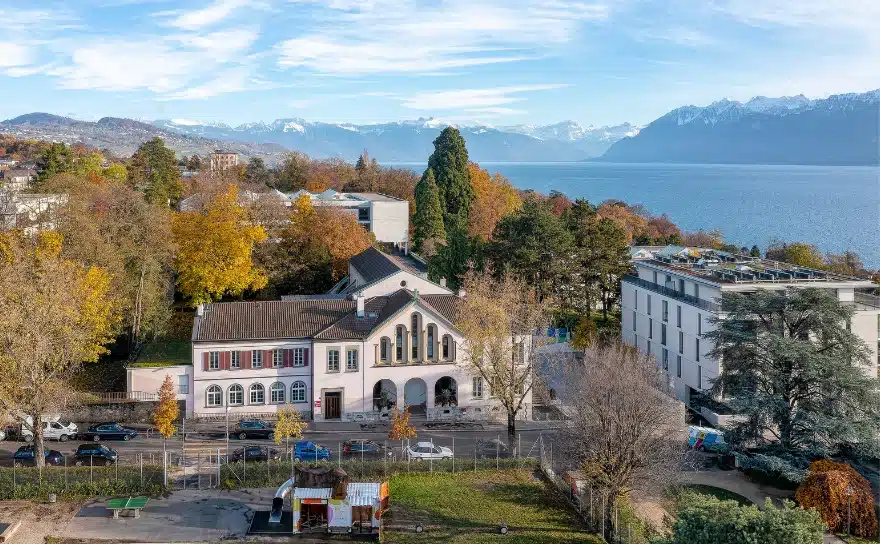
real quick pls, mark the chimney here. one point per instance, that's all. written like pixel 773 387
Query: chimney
pixel 360 305
pixel 461 293
pixel 200 310
pixel 442 282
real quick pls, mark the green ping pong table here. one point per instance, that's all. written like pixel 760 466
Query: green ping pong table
pixel 135 504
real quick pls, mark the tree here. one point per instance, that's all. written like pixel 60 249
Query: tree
pixel 289 425
pixel 116 172
pixel 256 172
pixel 584 334
pixel 496 319
pixel 293 172
pixel 559 203
pixel 449 161
pixel 401 429
pixel 797 253
pixel 703 518
pixel 153 171
pixel 367 173
pixel 847 263
pixel 625 425
pixel 55 315
pixel 451 260
pixel 494 198
pixel 631 223
pixel 215 247
pixel 55 159
pixel 842 496
pixel 428 221
pixel 795 371
pixel 167 411
pixel 755 251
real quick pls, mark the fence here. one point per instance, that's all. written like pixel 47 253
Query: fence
pixel 123 396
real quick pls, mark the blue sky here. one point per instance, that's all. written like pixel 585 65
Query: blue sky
pixel 493 61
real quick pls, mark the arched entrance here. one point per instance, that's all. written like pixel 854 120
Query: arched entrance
pixel 445 392
pixel 415 395
pixel 384 395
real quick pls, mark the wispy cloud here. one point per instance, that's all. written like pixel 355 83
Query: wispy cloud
pixel 853 14
pixel 411 36
pixel 15 55
pixel 215 12
pixel 473 99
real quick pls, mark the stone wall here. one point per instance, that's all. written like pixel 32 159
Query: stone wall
pixel 121 412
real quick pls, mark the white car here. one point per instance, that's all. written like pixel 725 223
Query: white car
pixel 425 451
pixel 59 429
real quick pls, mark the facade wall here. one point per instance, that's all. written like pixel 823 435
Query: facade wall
pixel 389 221
pixel 866 324
pixel 149 380
pixel 413 283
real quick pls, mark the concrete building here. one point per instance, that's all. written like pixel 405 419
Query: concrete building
pixel 16 179
pixel 223 160
pixel 31 212
pixel 668 303
pixel 385 216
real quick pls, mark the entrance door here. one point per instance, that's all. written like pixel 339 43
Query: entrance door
pixel 332 405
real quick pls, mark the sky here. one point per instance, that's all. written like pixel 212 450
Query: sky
pixel 497 62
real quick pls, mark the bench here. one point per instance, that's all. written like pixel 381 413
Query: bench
pixel 135 504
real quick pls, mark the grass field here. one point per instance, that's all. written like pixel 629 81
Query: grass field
pixel 718 493
pixel 468 507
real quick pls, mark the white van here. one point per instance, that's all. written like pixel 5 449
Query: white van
pixel 53 429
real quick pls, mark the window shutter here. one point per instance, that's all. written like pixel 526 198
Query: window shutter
pixel 205 361
pixel 268 361
pixel 288 355
pixel 306 357
pixel 245 359
pixel 227 359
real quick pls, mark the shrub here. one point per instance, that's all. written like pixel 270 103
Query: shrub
pixel 701 518
pixel 784 471
pixel 825 490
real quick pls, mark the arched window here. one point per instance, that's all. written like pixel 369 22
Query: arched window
pixel 415 330
pixel 447 347
pixel 432 337
pixel 277 393
pixel 384 348
pixel 257 394
pixel 236 395
pixel 215 396
pixel 398 342
pixel 298 392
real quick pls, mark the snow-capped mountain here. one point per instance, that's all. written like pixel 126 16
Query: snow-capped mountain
pixel 839 130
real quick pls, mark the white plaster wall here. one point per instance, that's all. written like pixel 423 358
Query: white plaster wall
pixel 865 326
pixel 390 221
pixel 149 380
pixel 413 282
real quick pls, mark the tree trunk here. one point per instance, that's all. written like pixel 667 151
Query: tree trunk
pixel 511 431
pixel 39 458
pixel 610 535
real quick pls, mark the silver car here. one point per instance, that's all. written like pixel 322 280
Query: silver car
pixel 426 450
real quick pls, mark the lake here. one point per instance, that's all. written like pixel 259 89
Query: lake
pixel 835 208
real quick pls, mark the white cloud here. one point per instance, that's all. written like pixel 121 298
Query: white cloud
pixel 411 36
pixel 15 55
pixel 212 14
pixel 483 100
pixel 852 14
pixel 227 81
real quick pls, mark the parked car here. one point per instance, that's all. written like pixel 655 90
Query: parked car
pixel 25 456
pixel 365 449
pixel 306 450
pixel 255 453
pixel 109 431
pixel 60 430
pixel 492 448
pixel 94 454
pixel 252 428
pixel 425 451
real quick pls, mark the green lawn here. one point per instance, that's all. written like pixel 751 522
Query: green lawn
pixel 718 493
pixel 467 508
pixel 164 353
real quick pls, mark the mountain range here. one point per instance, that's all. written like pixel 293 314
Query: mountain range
pixel 839 130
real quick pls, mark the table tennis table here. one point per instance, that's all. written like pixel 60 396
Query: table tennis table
pixel 136 504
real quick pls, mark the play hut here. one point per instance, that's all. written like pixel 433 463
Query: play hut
pixel 324 501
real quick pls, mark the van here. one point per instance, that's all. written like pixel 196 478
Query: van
pixel 53 429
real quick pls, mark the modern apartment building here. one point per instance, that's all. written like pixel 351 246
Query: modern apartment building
pixel 385 216
pixel 222 160
pixel 668 304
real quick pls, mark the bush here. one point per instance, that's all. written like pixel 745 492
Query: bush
pixel 784 470
pixel 31 483
pixel 825 490
pixel 701 518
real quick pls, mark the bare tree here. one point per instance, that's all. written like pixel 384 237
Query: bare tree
pixel 626 430
pixel 496 320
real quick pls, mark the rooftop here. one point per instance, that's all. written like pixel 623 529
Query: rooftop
pixel 331 195
pixel 374 265
pixel 722 267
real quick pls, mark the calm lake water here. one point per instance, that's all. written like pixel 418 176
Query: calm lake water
pixel 836 208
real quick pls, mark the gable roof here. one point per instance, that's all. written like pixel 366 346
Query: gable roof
pixel 374 265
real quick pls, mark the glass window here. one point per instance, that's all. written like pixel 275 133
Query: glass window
pixel 414 347
pixel 698 349
pixel 649 304
pixel 700 324
pixel 680 342
pixel 277 358
pixel 697 290
pixel 655 281
pixel 214 360
pixel 182 384
pixel 678 366
pixel 430 347
pixel 634 321
pixel 478 387
pixel 665 359
pixel 256 359
pixel 258 394
pixel 678 316
pixel 636 298
pixel 332 360
pixel 215 396
pixel 649 348
pixel 235 359
pixel 351 360
pixel 236 395
pixel 446 347
pixel 298 392
pixel 665 310
pixel 663 334
pixel 699 377
pixel 299 356
pixel 363 214
pixel 650 328
pixel 383 349
pixel 398 341
pixel 276 393
pixel 681 286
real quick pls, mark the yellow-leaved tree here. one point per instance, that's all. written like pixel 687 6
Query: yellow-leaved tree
pixel 401 428
pixel 289 425
pixel 214 250
pixel 55 315
pixel 494 197
pixel 167 411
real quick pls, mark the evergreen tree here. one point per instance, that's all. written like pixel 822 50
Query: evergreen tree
pixel 55 159
pixel 428 220
pixel 795 371
pixel 450 165
pixel 257 173
pixel 154 171
pixel 755 252
pixel 452 260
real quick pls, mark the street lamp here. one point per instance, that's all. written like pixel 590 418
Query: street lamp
pixel 849 494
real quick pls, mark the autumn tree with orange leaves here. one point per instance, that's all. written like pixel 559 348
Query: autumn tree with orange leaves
pixel 825 489
pixel 494 198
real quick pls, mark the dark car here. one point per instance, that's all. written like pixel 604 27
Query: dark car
pixel 489 449
pixel 109 431
pixel 306 450
pixel 94 454
pixel 252 428
pixel 365 449
pixel 255 453
pixel 25 456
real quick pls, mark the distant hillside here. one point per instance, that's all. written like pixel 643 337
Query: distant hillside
pixel 840 130
pixel 123 136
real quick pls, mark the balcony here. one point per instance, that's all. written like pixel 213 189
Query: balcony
pixel 672 293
